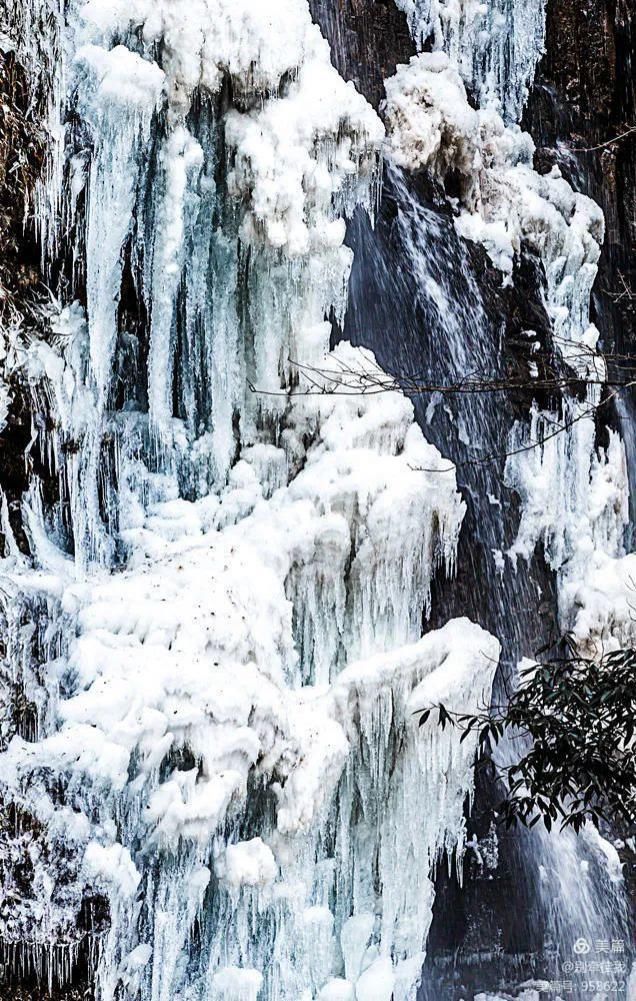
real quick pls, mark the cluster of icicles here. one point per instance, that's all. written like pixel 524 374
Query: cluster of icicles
pixel 218 630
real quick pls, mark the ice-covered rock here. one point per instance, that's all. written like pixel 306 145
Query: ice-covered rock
pixel 574 499
pixel 503 202
pixel 495 44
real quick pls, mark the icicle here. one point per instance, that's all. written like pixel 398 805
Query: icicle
pixel 118 97
pixel 495 45
pixel 181 157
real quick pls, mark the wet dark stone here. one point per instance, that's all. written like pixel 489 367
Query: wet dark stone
pixel 368 39
pixel 585 97
pixel 21 156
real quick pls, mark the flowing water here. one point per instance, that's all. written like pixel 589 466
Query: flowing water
pixel 439 332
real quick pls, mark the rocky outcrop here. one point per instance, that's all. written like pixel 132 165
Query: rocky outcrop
pixel 22 150
pixel 582 115
pixel 21 155
pixel 368 39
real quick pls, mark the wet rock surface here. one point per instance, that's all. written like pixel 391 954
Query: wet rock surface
pixel 22 148
pixel 21 155
pixel 581 115
pixel 81 992
pixel 368 39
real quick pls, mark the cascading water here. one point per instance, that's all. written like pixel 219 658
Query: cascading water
pixel 440 333
pixel 214 656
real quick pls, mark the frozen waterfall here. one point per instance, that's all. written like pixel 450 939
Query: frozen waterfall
pixel 217 624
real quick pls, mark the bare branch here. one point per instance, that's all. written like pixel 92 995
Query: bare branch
pixel 610 142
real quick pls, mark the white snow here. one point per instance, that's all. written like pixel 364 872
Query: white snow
pixel 248 863
pixel 337 990
pixel 377 982
pixel 504 202
pixel 112 865
pixel 235 984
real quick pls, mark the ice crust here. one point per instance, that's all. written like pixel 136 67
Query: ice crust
pixel 503 201
pixel 195 651
pixel 495 45
pixel 223 656
pixel 575 502
pixel 158 680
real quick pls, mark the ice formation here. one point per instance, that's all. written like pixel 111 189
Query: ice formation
pixel 214 658
pixel 503 201
pixel 495 44
pixel 216 639
pixel 574 500
pixel 186 709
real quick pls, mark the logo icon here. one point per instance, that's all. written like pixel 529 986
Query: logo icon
pixel 582 947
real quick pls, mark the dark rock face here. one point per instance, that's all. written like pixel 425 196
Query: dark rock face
pixel 368 39
pixel 21 155
pixel 580 114
pixel 36 993
pixel 22 146
pixel 35 989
